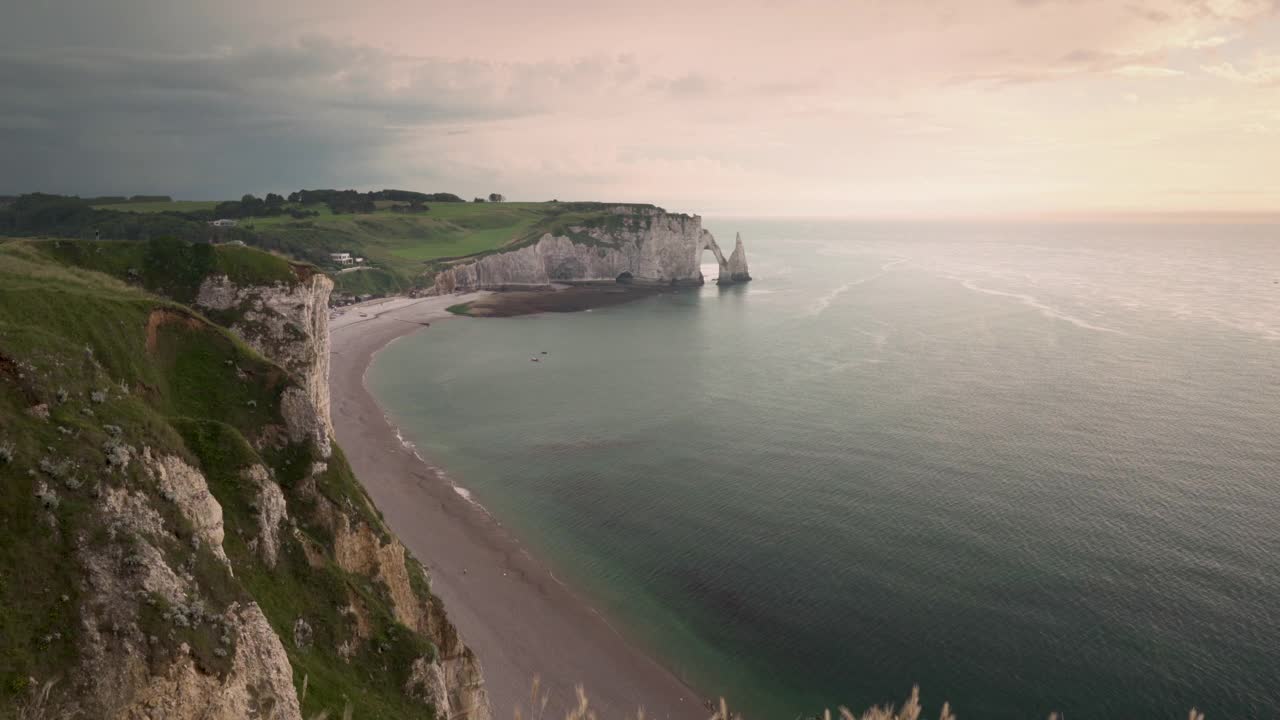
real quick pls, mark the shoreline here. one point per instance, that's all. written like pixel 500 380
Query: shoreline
pixel 519 619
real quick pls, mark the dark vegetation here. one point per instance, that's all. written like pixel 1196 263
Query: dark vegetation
pixel 170 267
pixel 121 199
pixel 350 201
pixel 39 214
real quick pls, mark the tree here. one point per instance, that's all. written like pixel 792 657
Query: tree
pixel 479 199
pixel 496 197
pixel 274 200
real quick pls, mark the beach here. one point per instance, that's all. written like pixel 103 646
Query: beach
pixel 518 619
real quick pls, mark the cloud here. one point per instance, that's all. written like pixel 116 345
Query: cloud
pixel 811 106
pixel 1146 71
pixel 1262 71
pixel 225 121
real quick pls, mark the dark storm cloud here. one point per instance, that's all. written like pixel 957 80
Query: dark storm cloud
pixel 312 113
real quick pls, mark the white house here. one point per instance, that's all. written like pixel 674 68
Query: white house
pixel 223 223
pixel 343 258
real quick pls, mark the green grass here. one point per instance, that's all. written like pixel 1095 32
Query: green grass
pixel 155 207
pixel 462 243
pixel 459 309
pixel 367 281
pixel 405 244
pixel 172 267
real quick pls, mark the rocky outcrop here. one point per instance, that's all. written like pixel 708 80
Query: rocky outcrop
pixel 452 682
pixel 737 265
pixel 640 245
pixel 304 420
pixel 152 643
pixel 271 512
pixel 186 488
pixel 287 323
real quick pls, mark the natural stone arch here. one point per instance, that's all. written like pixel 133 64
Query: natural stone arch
pixel 733 269
pixel 709 243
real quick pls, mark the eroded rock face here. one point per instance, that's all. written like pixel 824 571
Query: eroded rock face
pixel 360 550
pixel 184 486
pixel 271 513
pixel 646 246
pixel 127 673
pixel 258 685
pixel 288 324
pixel 304 421
pixel 453 682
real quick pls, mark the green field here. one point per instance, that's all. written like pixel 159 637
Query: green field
pixel 406 246
pixel 402 243
pixel 366 281
pixel 155 207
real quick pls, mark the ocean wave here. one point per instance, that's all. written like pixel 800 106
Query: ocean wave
pixel 1046 310
pixel 439 471
pixel 820 306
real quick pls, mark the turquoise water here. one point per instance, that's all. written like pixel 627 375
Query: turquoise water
pixel 1030 468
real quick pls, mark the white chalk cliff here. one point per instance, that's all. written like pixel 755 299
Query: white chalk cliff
pixel 640 245
pixel 286 322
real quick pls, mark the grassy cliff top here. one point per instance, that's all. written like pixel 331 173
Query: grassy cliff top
pixel 173 268
pixel 402 239
pixel 91 362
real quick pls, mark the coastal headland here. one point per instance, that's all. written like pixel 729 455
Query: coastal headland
pixel 510 609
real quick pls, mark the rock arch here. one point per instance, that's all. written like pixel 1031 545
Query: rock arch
pixel 732 270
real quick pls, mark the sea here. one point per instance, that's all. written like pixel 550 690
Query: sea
pixel 1027 467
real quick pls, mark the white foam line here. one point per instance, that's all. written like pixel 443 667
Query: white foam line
pixel 1045 310
pixel 825 301
pixel 463 492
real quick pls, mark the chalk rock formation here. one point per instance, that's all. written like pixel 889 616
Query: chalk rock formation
pixel 640 245
pixel 186 488
pixel 287 323
pixel 120 675
pixel 452 681
pixel 737 266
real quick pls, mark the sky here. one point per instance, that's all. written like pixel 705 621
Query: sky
pixel 872 108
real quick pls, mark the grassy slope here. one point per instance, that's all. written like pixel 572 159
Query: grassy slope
pixel 367 281
pixel 172 268
pixel 68 332
pixel 398 242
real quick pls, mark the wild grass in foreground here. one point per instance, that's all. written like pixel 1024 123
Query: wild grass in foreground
pixel 911 709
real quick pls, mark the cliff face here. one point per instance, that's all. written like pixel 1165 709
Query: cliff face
pixel 646 246
pixel 286 322
pixel 179 536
